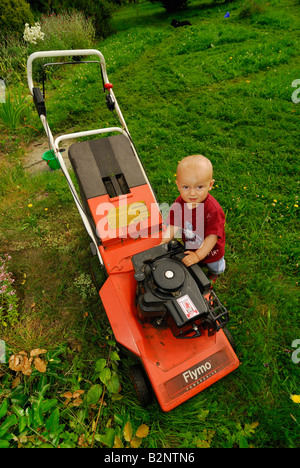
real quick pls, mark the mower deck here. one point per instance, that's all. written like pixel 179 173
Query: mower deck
pixel 176 368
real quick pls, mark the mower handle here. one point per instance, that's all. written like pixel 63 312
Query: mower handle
pixel 63 53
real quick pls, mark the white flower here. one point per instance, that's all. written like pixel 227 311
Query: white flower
pixel 31 34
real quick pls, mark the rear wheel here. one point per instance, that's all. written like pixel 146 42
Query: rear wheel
pixel 141 384
pixel 97 272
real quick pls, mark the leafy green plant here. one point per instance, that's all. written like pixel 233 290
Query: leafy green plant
pixel 34 413
pixel 28 417
pixel 240 438
pixel 106 372
pixel 13 110
pixel 206 438
pixel 131 440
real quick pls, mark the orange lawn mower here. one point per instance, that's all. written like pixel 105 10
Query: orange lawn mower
pixel 167 315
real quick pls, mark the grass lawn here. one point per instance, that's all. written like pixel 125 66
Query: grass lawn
pixel 223 88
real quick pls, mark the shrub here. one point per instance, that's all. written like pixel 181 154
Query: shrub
pixel 100 12
pixel 44 6
pixel 14 14
pixel 67 31
pixel 173 5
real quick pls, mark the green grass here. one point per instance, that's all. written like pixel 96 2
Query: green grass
pixel 221 87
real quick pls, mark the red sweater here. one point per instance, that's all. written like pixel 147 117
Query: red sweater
pixel 198 223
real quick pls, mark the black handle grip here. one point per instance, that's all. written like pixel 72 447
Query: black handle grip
pixel 39 101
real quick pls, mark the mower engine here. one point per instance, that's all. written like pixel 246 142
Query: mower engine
pixel 171 295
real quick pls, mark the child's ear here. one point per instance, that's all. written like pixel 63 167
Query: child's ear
pixel 176 184
pixel 211 184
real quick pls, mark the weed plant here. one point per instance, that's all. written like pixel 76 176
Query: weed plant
pixel 221 87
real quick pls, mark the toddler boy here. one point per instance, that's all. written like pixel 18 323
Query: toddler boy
pixel 198 215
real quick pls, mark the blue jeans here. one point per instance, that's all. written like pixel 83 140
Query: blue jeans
pixel 217 267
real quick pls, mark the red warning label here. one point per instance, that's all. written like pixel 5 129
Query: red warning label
pixel 187 306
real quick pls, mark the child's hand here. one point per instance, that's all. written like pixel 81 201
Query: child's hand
pixel 190 259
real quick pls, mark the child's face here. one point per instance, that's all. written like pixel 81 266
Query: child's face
pixel 193 184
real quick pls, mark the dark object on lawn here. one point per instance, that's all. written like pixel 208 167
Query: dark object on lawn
pixel 178 24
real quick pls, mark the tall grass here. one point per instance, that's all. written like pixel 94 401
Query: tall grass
pixel 67 30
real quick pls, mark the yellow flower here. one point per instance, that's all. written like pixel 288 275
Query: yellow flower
pixel 295 398
pixel 30 205
pixel 275 201
pixel 296 206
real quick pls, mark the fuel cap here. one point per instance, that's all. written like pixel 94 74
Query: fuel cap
pixel 168 274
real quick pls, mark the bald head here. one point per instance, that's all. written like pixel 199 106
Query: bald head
pixel 194 179
pixel 196 163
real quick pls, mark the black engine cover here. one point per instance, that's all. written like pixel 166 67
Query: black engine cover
pixel 169 292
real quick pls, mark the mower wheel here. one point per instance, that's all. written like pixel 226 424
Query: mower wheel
pixel 97 272
pixel 141 384
pixel 229 337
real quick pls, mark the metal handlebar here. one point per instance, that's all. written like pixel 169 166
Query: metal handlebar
pixel 63 53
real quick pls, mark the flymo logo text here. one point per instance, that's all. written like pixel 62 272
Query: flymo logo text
pixel 192 375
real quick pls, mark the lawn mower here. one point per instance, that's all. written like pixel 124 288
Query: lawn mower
pixel 167 315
